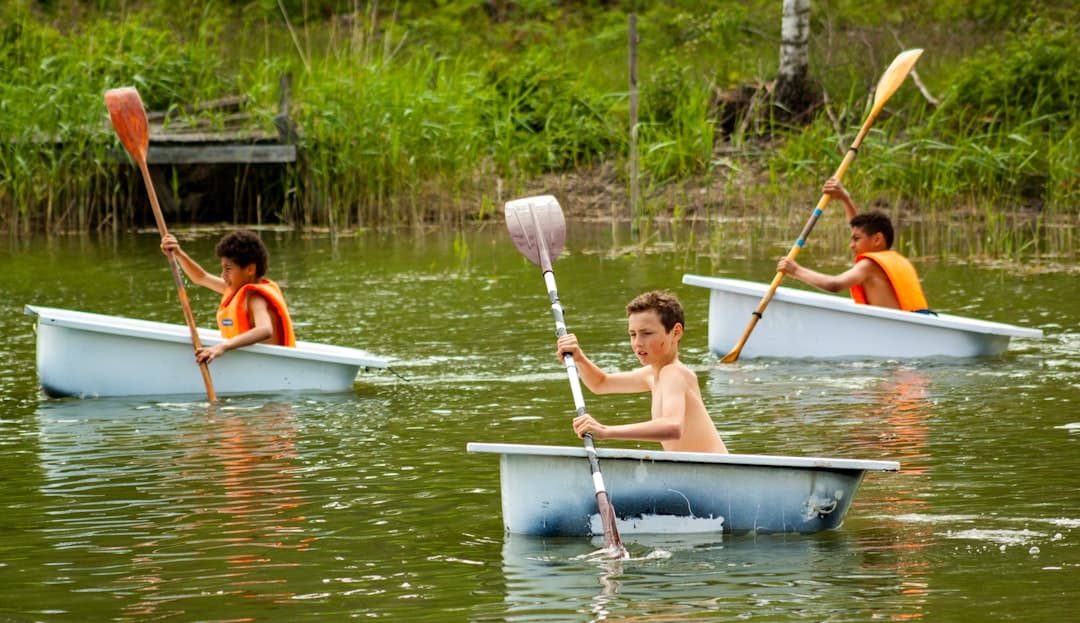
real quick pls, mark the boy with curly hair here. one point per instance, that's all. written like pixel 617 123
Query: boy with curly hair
pixel 252 308
pixel 880 275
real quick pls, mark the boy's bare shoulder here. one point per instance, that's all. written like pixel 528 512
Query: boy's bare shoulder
pixel 679 371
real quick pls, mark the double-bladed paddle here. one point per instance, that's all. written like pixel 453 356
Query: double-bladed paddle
pixel 129 120
pixel 538 230
pixel 890 81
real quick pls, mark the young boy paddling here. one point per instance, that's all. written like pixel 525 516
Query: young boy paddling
pixel 880 276
pixel 252 308
pixel 679 419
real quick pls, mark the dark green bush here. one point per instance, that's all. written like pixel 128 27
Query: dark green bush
pixel 1033 74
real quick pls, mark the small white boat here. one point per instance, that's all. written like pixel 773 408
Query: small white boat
pixel 799 323
pixel 548 491
pixel 93 355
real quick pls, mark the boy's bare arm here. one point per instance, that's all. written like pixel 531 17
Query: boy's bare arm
pixel 261 330
pixel 262 324
pixel 198 275
pixel 834 189
pixel 830 283
pixel 598 381
pixel 671 389
pixel 192 269
pixel 662 429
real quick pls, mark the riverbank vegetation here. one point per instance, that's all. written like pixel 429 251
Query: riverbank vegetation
pixel 412 114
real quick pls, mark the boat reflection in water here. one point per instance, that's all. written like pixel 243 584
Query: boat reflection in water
pixel 825 576
pixel 898 421
pixel 201 497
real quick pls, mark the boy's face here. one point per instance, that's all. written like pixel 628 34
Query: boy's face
pixel 651 342
pixel 861 242
pixel 236 276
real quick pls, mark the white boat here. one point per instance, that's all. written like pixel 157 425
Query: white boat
pixel 799 323
pixel 548 491
pixel 93 355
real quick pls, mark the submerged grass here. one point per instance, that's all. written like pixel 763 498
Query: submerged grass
pixel 410 116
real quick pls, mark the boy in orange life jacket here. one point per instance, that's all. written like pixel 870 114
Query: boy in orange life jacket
pixel 252 308
pixel 880 276
pixel 679 419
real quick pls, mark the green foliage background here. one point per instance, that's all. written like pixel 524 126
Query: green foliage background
pixel 421 111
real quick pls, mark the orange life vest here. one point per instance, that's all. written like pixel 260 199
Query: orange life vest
pixel 902 277
pixel 232 314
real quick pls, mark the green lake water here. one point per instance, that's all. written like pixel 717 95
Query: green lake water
pixel 365 505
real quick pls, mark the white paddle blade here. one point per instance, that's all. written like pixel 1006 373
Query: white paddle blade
pixel 536 226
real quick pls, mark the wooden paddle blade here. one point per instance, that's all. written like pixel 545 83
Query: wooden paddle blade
pixel 129 120
pixel 530 217
pixel 894 76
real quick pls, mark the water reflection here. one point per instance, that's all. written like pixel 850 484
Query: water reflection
pixel 881 410
pixel 364 505
pixel 899 413
pixel 776 578
pixel 198 500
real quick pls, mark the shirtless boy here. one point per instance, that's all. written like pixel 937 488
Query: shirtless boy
pixel 679 419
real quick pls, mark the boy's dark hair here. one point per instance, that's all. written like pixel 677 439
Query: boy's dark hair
pixel 873 222
pixel 243 248
pixel 665 304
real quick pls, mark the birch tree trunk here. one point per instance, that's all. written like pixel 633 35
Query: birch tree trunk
pixel 793 89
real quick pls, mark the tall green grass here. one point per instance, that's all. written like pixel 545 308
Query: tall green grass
pixel 54 132
pixel 988 173
pixel 411 116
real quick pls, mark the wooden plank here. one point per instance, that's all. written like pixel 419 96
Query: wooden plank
pixel 216 154
pixel 229 103
pixel 240 121
pixel 177 154
pixel 235 136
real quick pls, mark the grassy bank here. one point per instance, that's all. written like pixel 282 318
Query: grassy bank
pixel 411 115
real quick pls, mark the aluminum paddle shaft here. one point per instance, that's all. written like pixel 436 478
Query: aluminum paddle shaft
pixel 603 502
pixel 537 226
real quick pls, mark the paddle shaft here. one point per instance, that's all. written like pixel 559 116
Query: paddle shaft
pixel 181 291
pixel 890 81
pixel 799 243
pixel 129 121
pixel 603 501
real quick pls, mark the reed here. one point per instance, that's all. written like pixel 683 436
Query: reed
pixel 411 116
pixel 54 161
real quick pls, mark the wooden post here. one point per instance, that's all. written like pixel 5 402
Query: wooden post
pixel 282 121
pixel 635 193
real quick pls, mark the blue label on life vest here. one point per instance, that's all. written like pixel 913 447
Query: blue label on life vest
pixel 226 322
